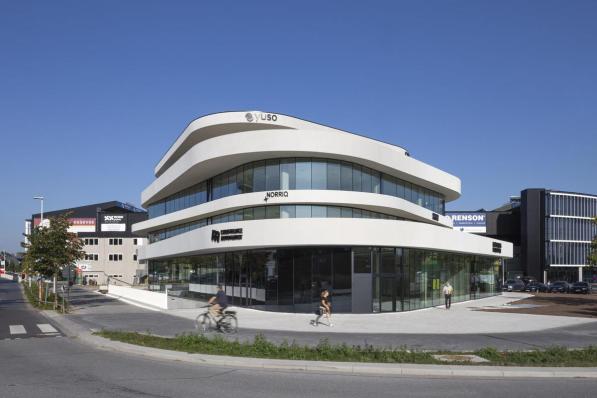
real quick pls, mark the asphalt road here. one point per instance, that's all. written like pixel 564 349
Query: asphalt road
pixel 63 367
pixel 18 319
pixel 102 312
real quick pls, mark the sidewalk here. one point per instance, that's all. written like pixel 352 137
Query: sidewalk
pixel 462 318
pixel 459 329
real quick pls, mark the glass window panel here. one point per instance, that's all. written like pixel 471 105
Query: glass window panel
pixel 303 211
pixel 248 178
pixel 400 188
pixel 318 175
pixel 302 279
pixel 272 212
pixel 287 174
pixel 248 214
pixel 333 212
pixel 375 182
pixel 346 212
pixel 239 181
pixel 287 211
pixel 333 175
pixel 366 180
pixel 342 280
pixel 284 262
pixel 346 176
pixel 318 211
pixel 407 191
pixel 388 185
pixel 272 175
pixel 259 177
pixel 357 213
pixel 357 176
pixel 217 187
pixel 362 260
pixel 259 213
pixel 303 174
pixel 226 184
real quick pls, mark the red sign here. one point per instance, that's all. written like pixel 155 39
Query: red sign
pixel 72 221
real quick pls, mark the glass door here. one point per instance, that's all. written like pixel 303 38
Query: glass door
pixel 387 292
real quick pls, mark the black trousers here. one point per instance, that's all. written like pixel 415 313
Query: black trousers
pixel 448 298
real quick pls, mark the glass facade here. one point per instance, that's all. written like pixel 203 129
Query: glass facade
pixel 290 279
pixel 569 228
pixel 269 212
pixel 410 279
pixel 297 173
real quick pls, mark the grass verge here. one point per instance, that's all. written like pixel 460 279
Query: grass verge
pixel 32 295
pixel 324 351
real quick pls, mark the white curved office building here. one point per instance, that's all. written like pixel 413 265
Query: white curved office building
pixel 277 208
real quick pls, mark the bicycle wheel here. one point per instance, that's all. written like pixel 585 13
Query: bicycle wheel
pixel 229 324
pixel 203 323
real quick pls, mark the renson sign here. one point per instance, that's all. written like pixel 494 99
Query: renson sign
pixel 469 221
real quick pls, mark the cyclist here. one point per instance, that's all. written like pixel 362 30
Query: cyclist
pixel 219 302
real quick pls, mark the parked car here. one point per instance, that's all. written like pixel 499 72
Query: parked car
pixel 580 287
pixel 535 286
pixel 513 285
pixel 528 279
pixel 559 287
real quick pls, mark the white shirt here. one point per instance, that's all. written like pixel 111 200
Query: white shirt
pixel 448 289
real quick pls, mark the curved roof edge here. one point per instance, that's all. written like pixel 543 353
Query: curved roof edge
pixel 222 123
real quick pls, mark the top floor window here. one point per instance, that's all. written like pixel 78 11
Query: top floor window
pixel 298 173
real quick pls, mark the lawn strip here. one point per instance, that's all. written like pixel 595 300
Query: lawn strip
pixel 324 351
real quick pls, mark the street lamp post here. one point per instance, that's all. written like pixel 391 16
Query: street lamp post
pixel 41 220
pixel 41 199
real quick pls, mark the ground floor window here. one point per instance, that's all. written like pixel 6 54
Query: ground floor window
pixel 360 279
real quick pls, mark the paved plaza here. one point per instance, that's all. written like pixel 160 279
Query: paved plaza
pixel 461 328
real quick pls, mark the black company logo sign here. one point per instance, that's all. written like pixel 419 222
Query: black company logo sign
pixel 260 117
pixel 275 194
pixel 226 234
pixel 113 223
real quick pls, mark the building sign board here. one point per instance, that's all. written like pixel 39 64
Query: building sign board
pixel 474 222
pixel 226 234
pixel 77 224
pixel 113 223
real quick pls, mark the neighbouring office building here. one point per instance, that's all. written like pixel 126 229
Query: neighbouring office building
pixel 110 245
pixel 276 208
pixel 551 232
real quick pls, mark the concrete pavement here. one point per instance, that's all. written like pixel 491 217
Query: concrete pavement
pixel 477 328
pixel 462 318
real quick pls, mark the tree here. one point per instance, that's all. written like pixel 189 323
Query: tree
pixel 50 249
pixel 593 252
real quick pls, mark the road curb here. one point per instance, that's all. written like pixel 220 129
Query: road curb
pixel 76 331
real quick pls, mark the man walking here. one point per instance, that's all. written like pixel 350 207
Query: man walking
pixel 448 294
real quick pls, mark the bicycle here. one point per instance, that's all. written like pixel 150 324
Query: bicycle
pixel 226 322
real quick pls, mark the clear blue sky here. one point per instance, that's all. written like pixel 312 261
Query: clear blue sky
pixel 502 94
